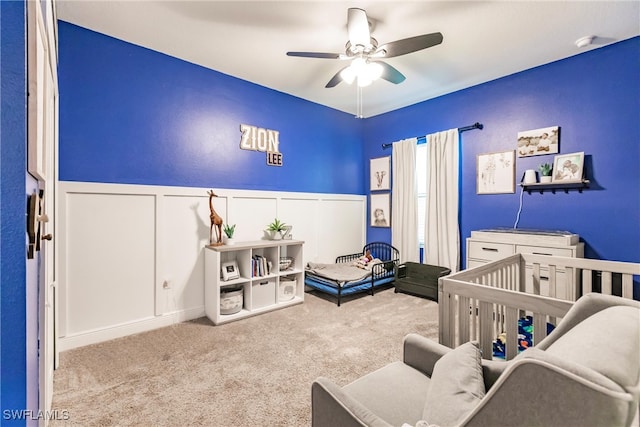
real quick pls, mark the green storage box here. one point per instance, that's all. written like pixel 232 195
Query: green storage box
pixel 419 279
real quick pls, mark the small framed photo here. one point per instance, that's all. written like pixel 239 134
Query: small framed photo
pixel 496 173
pixel 380 170
pixel 380 205
pixel 568 167
pixel 230 270
pixel 539 141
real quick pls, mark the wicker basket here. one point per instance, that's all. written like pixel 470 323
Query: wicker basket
pixel 286 262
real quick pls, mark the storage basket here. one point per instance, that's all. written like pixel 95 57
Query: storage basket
pixel 231 300
pixel 263 293
pixel 285 262
pixel 286 288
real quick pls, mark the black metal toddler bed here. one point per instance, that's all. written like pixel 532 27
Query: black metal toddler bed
pixel 374 266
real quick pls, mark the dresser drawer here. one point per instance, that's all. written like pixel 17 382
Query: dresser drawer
pixel 540 250
pixel 489 251
pixel 563 291
pixel 472 263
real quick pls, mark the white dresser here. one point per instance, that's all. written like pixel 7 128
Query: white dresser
pixel 489 245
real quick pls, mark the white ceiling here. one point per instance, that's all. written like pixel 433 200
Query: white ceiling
pixel 249 39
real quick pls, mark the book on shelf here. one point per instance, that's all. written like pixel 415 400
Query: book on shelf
pixel 260 266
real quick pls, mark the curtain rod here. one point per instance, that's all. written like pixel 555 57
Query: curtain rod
pixel 476 125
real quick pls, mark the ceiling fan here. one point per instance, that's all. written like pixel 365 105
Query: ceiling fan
pixel 365 54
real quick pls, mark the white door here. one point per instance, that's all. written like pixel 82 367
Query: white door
pixel 42 164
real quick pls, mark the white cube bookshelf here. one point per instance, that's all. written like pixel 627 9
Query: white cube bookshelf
pixel 260 286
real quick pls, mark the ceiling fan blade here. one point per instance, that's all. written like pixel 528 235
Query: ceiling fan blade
pixel 412 44
pixel 335 79
pixel 389 73
pixel 358 27
pixel 315 55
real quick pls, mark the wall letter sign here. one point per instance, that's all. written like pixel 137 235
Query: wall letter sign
pixel 265 140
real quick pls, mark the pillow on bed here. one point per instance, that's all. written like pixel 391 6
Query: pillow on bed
pixel 388 266
pixel 456 387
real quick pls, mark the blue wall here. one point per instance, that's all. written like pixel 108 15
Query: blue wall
pixel 593 97
pixel 133 115
pixel 13 292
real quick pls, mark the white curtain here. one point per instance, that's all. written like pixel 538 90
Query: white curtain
pixel 404 195
pixel 442 235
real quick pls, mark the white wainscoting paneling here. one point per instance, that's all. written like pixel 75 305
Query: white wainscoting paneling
pixel 252 214
pixel 303 214
pixel 340 240
pixel 131 256
pixel 186 232
pixel 110 259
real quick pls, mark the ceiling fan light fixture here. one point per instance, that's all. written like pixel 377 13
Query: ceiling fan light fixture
pixel 364 80
pixel 359 65
pixel 348 74
pixel 364 71
pixel 363 52
pixel 374 70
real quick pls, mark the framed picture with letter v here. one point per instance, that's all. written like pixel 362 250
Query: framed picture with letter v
pixel 380 171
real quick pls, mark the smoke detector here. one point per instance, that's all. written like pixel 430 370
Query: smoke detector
pixel 585 41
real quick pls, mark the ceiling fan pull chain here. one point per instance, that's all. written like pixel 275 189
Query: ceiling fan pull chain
pixel 359 102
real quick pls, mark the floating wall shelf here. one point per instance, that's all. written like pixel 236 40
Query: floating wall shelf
pixel 554 186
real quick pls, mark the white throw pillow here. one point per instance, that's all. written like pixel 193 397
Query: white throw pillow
pixel 456 387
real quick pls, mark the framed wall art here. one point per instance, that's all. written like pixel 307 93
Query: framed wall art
pixel 380 205
pixel 380 170
pixel 539 141
pixel 568 167
pixel 495 173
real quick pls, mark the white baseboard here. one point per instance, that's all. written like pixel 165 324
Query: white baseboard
pixel 119 331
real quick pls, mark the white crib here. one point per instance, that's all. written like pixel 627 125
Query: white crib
pixel 483 302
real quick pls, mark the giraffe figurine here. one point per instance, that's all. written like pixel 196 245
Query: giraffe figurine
pixel 216 221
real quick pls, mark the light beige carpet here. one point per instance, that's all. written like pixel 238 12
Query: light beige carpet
pixel 256 371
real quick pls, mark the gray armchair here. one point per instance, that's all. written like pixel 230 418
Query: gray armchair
pixel 586 372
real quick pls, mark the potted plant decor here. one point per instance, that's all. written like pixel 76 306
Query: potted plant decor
pixel 228 231
pixel 275 229
pixel 545 172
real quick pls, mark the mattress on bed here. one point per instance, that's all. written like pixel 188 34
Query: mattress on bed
pixel 349 273
pixel 340 272
pixel 345 288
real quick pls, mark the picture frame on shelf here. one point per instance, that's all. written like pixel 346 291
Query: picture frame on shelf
pixel 568 167
pixel 380 208
pixel 496 173
pixel 229 270
pixel 539 142
pixel 380 172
